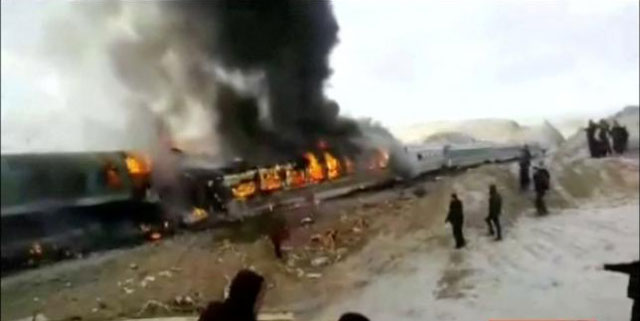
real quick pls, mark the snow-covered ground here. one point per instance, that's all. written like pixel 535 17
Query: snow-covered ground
pixel 547 267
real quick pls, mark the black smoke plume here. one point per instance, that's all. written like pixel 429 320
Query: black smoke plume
pixel 284 45
pixel 289 41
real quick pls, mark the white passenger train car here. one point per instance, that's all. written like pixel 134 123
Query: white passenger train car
pixel 431 157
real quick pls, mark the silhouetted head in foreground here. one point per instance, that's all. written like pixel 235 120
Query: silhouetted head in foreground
pixel 244 301
pixel 492 189
pixel 352 316
pixel 454 196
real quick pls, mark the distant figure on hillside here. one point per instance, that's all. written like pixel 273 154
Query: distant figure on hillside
pixel 620 137
pixel 633 289
pixel 604 146
pixel 352 316
pixel 245 299
pixel 456 219
pixel 591 138
pixel 495 208
pixel 541 180
pixel 525 163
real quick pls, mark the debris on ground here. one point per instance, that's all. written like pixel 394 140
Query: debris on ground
pixel 152 306
pixel 147 279
pixel 319 261
pixel 306 221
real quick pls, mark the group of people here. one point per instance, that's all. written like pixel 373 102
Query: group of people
pixel 456 217
pixel 246 294
pixel 600 136
pixel 541 179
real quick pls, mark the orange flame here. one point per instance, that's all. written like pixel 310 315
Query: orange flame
pixel 314 169
pixel 244 189
pixel 295 178
pixel 137 164
pixel 380 159
pixel 270 179
pixel 155 236
pixel 333 166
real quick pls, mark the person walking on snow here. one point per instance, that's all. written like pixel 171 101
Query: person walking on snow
pixel 456 219
pixel 495 207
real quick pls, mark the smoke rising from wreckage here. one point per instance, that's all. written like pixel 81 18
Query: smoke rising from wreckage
pixel 258 68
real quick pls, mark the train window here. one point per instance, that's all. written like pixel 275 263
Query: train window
pixel 112 176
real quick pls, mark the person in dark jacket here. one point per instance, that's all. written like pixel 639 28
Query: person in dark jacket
pixel 245 298
pixel 525 163
pixel 541 179
pixel 456 219
pixel 278 233
pixel 591 138
pixel 620 136
pixel 603 138
pixel 633 290
pixel 495 207
pixel 352 316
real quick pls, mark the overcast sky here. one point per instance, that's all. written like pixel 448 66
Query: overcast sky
pixel 404 62
pixel 411 61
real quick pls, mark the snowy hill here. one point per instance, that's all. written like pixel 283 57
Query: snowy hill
pixel 491 130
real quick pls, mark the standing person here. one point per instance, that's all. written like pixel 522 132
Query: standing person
pixel 591 138
pixel 633 289
pixel 278 233
pixel 352 316
pixel 495 208
pixel 624 139
pixel 456 219
pixel 245 299
pixel 525 162
pixel 603 137
pixel 541 179
pixel 616 136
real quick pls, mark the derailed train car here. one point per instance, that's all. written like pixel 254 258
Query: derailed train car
pixel 59 205
pixel 62 204
pixel 431 157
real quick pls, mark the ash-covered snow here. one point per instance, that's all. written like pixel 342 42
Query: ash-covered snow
pixel 548 267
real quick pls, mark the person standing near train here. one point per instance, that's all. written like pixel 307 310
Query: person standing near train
pixel 541 180
pixel 456 219
pixel 495 208
pixel 525 163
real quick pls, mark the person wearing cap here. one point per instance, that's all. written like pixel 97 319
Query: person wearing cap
pixel 541 179
pixel 456 219
pixel 495 207
pixel 243 303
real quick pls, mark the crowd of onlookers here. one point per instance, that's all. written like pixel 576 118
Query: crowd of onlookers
pixel 604 140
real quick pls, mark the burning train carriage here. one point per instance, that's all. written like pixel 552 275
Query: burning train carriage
pixel 53 202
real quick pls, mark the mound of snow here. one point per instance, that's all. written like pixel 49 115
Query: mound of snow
pixel 501 131
pixel 450 138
